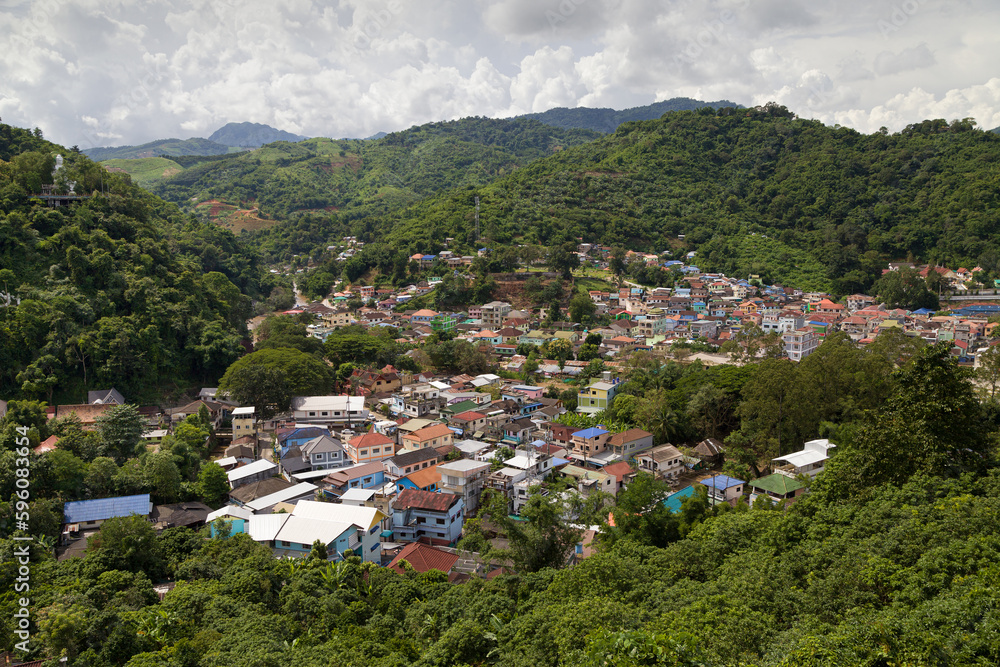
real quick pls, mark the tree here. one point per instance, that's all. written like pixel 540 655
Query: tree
pixel 559 349
pixel 641 516
pixel 932 424
pixel 541 540
pixel 127 543
pixel 162 476
pixel 289 373
pixel 582 308
pixel 213 484
pixel 100 479
pixel 318 551
pixel 563 258
pixel 617 262
pixel 988 371
pixel 121 428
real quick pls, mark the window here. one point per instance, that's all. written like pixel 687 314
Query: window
pixel 368 480
pixel 312 414
pixel 375 546
pixel 325 413
pixel 373 529
pixel 440 522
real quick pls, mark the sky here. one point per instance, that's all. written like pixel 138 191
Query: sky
pixel 114 72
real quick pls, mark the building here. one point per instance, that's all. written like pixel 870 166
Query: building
pixel 84 514
pixel 437 435
pixel 800 343
pixel 665 460
pixel 410 461
pixel 364 476
pixel 776 487
pixel 341 528
pixel 329 410
pixel 427 517
pixel 493 314
pixel 244 421
pixel 370 447
pixel 809 461
pixel 589 442
pixel 464 478
pixel 723 489
pixel 598 396
pixel 257 471
pixel 627 444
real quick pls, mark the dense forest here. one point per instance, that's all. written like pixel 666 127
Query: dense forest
pixel 844 201
pixel 890 560
pixel 608 120
pixel 120 289
pixel 328 179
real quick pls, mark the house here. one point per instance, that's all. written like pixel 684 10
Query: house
pixel 723 489
pixel 589 442
pixel 341 528
pixel 429 436
pixel 591 481
pixel 297 437
pixel 376 382
pixel 464 478
pixel 363 476
pixel 800 343
pixel 323 452
pixel 469 422
pixel 329 410
pixel 711 451
pixel 424 558
pixel 244 421
pixel 249 492
pixel 622 472
pixel 86 413
pixel 370 447
pixel 105 397
pixel 628 443
pixel 516 431
pixel 407 462
pixel 493 313
pixel 257 471
pixel 428 517
pixel 776 487
pixel 290 495
pixel 598 396
pixel 84 514
pixel 665 460
pixel 425 479
pixel 809 461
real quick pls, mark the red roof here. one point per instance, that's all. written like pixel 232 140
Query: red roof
pixel 425 500
pixel 424 558
pixel 470 415
pixel 369 439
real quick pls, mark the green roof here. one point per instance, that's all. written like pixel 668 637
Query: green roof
pixel 460 407
pixel 778 484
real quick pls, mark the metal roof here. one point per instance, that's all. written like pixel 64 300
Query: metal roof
pixel 107 508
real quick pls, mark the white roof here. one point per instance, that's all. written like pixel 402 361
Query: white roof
pixel 462 465
pixel 255 468
pixel 237 412
pixel 512 472
pixel 301 530
pixel 264 527
pixel 301 489
pixel 471 446
pixel 523 461
pixel 803 458
pixel 362 517
pixel 230 511
pixel 440 385
pixel 227 461
pixel 157 433
pixel 312 474
pixel 302 403
pixel 358 494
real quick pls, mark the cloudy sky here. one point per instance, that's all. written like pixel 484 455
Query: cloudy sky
pixel 112 72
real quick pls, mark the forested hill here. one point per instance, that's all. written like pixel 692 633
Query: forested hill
pixel 161 147
pixel 118 290
pixel 833 204
pixel 608 120
pixel 355 177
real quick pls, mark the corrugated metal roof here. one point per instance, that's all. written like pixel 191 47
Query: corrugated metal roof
pixel 107 508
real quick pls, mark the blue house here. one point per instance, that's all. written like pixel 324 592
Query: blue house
pixel 299 437
pixel 723 489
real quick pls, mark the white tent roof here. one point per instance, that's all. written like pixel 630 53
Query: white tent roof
pixel 255 468
pixel 264 527
pixel 302 530
pixel 301 489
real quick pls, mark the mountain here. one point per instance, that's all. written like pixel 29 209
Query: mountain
pixel 251 135
pixel 169 147
pixel 755 191
pixel 355 178
pixel 608 120
pixel 118 289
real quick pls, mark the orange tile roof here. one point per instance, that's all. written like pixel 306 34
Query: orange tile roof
pixel 368 440
pixel 425 477
pixel 429 433
pixel 424 558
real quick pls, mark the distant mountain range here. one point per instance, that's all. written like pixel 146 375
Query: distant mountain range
pixel 607 121
pixel 231 138
pixel 251 135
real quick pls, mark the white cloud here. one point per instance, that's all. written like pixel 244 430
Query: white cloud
pixel 87 71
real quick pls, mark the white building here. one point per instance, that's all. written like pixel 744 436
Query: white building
pixel 329 409
pixel 810 461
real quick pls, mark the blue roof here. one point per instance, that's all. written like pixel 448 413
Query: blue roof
pixel 923 311
pixel 721 482
pixel 674 500
pixel 590 433
pixel 429 257
pixel 106 508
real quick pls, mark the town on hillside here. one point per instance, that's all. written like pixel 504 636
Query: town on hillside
pixel 393 465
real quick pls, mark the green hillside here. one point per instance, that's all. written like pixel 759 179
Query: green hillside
pixel 147 170
pixel 358 178
pixel 841 199
pixel 119 290
pixel 608 120
pixel 168 147
pixel 251 135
